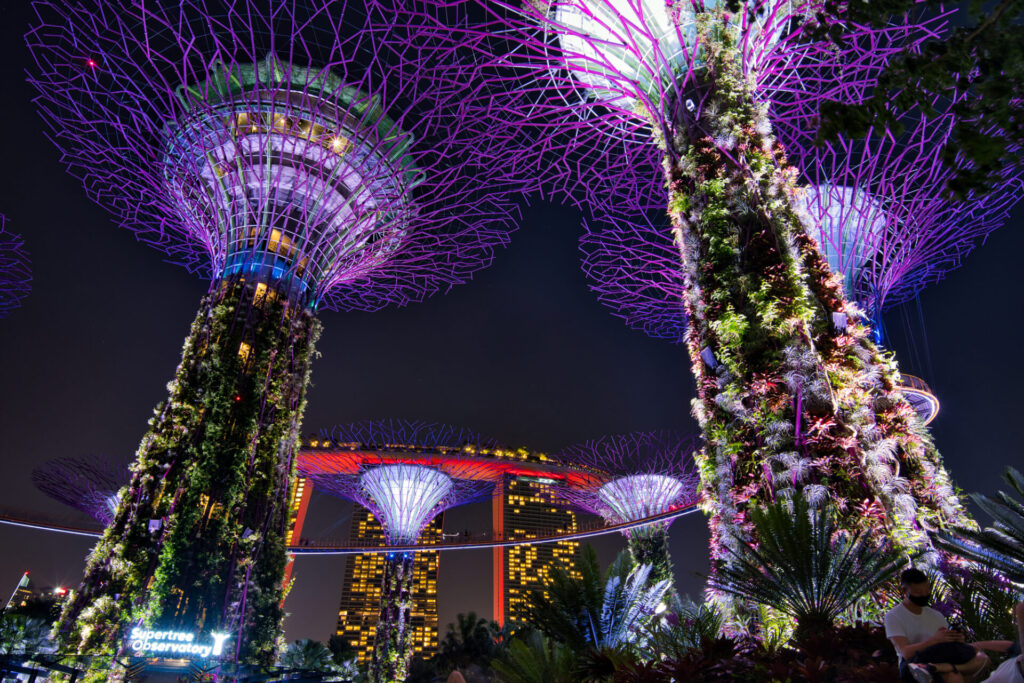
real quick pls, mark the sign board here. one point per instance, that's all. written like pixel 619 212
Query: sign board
pixel 145 642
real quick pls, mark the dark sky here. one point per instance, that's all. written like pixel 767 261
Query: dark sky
pixel 523 353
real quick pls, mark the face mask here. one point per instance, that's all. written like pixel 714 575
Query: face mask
pixel 920 600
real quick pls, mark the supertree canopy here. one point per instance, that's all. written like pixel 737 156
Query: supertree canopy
pixel 399 477
pixel 299 161
pixel 90 485
pixel 637 476
pixel 15 278
pixel 420 435
pixel 788 376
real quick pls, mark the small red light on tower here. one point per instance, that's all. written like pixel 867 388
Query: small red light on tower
pixel 60 590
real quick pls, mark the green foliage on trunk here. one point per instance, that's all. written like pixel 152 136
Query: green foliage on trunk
pixel 806 567
pixel 649 545
pixel 198 539
pixel 790 403
pixel 392 647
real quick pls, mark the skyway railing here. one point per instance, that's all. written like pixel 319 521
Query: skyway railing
pixel 332 547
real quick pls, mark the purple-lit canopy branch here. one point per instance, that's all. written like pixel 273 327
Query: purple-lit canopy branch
pixel 301 155
pixel 392 434
pixel 792 392
pixel 403 496
pixel 89 485
pixel 406 473
pixel 588 81
pixel 404 493
pixel 286 141
pixel 875 206
pixel 15 277
pixel 879 211
pixel 639 474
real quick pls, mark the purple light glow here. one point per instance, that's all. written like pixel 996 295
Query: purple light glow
pixel 583 86
pixel 351 180
pixel 638 475
pixel 89 485
pixel 15 277
pixel 876 206
pixel 894 230
pixel 640 495
pixel 404 497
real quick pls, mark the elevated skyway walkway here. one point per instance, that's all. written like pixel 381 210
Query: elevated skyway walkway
pixel 307 546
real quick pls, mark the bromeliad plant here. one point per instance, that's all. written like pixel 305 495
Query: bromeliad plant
pixel 806 566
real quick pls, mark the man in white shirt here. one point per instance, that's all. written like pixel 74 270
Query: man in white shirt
pixel 913 627
pixel 1012 670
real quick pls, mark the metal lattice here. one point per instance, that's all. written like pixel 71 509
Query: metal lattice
pixel 15 276
pixel 89 485
pixel 307 143
pixel 637 475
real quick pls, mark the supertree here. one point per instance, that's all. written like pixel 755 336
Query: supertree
pixel 289 155
pixel 783 361
pixel 15 278
pixel 406 473
pixel 877 208
pixel 638 475
pixel 875 205
pixel 90 485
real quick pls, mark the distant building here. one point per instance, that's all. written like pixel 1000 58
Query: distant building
pixel 522 508
pixel 23 592
pixel 298 505
pixel 361 585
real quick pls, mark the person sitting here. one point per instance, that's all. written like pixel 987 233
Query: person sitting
pixel 1012 670
pixel 927 648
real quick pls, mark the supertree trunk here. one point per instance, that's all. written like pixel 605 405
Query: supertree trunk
pixel 649 545
pixel 197 541
pixel 792 393
pixel 392 648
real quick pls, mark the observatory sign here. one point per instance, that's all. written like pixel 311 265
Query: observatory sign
pixel 169 643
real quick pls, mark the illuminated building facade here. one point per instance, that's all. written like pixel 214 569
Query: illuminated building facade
pixel 523 507
pixel 361 589
pixel 298 504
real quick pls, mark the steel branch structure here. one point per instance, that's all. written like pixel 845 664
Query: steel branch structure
pixel 404 496
pixel 594 82
pixel 788 377
pixel 301 156
pixel 638 475
pixel 879 207
pixel 15 277
pixel 90 485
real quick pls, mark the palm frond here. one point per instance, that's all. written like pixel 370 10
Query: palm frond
pixel 533 658
pixel 1000 546
pixel 804 565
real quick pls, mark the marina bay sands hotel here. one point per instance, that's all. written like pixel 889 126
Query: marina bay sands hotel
pixel 522 507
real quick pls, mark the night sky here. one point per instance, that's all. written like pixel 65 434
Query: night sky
pixel 523 353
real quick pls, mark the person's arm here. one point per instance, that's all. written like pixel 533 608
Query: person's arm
pixel 907 649
pixel 1018 612
pixel 992 645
